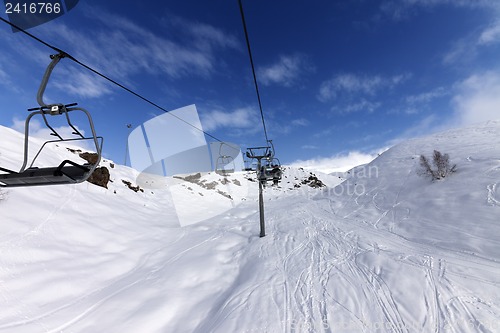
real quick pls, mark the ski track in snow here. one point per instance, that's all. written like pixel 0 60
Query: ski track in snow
pixel 38 228
pixel 302 290
pixel 303 264
pixel 456 313
pixel 17 244
pixel 309 261
pixel 153 263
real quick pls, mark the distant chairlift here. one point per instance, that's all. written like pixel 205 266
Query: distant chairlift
pixel 67 172
pixel 225 163
pixel 268 166
pixel 272 170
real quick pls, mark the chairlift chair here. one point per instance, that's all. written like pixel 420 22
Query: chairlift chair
pixel 67 172
pixel 268 166
pixel 273 170
pixel 225 163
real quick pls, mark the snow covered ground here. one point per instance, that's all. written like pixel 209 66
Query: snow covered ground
pixel 387 250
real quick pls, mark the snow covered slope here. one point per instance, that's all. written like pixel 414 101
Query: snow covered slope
pixel 385 251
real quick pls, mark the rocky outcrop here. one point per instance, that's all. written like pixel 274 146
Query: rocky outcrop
pixel 100 177
pixel 132 187
pixel 313 182
pixel 89 157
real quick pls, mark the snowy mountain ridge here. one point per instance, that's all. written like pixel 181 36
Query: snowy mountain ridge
pixel 384 251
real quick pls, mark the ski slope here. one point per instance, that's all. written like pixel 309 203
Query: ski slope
pixel 384 251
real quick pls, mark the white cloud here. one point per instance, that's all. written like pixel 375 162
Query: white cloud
pixel 239 118
pixel 352 83
pixel 7 73
pixel 426 97
pixel 490 35
pixel 300 122
pixel 337 163
pixel 38 130
pixel 18 125
pixel 3 76
pixel 402 9
pixel 287 71
pixel 415 104
pixel 478 98
pixel 205 36
pixel 83 84
pixel 361 106
pixel 120 49
pixel 283 125
pixel 468 47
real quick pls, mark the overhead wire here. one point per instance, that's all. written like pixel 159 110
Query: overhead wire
pixel 67 55
pixel 253 70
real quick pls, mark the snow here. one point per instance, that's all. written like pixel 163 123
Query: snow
pixel 379 250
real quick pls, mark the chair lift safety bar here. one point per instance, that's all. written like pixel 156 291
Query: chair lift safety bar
pixel 67 172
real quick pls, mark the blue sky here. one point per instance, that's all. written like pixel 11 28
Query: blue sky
pixel 339 80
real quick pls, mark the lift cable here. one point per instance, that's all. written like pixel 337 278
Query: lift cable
pixel 253 70
pixel 65 54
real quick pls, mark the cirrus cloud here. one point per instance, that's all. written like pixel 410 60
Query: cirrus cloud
pixel 239 118
pixel 360 84
pixel 287 71
pixel 402 9
pixel 490 35
pixel 121 49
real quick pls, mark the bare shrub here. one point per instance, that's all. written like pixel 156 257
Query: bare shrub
pixel 426 167
pixel 441 163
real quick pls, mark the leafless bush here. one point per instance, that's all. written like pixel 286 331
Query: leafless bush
pixel 441 163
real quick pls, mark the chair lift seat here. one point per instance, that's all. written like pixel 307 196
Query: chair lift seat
pixel 62 174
